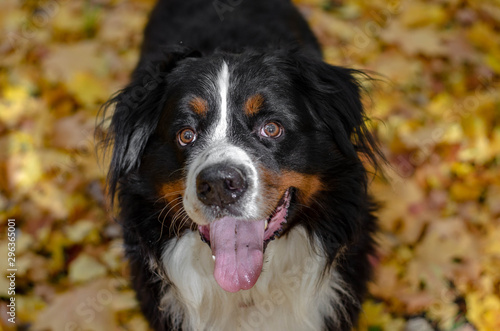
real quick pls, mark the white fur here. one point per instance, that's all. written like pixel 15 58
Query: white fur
pixel 220 131
pixel 291 293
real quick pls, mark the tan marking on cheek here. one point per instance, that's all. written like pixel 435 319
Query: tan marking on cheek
pixel 172 193
pixel 275 185
pixel 271 189
pixel 199 106
pixel 306 184
pixel 254 104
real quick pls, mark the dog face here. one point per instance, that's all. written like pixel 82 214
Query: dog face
pixel 238 146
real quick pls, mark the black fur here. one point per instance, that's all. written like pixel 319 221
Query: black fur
pixel 273 52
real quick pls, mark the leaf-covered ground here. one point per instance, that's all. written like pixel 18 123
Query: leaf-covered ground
pixel 436 110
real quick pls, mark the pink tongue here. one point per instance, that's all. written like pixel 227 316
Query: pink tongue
pixel 237 246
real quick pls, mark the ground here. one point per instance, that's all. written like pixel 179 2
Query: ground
pixel 435 109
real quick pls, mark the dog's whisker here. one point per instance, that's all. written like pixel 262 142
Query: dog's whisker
pixel 166 215
pixel 181 224
pixel 180 213
pixel 173 219
pixel 168 205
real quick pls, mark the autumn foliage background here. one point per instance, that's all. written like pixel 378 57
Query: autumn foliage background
pixel 436 110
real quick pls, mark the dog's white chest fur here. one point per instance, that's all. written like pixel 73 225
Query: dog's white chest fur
pixel 291 293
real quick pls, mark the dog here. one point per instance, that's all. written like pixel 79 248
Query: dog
pixel 239 165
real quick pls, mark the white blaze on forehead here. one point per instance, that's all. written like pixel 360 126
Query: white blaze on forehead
pixel 220 131
pixel 217 149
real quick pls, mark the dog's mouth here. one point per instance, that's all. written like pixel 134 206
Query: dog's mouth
pixel 238 246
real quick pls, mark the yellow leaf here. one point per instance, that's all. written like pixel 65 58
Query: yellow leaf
pixel 137 323
pixel 125 301
pixel 440 104
pixel 444 311
pixel 374 316
pixel 462 169
pixel 56 248
pixel 492 244
pixel 465 191
pixel 24 171
pixel 453 134
pixel 484 312
pixel 474 127
pixel 478 151
pixel 492 198
pixel 69 18
pixel 88 89
pixel 85 268
pixel 419 14
pixel 77 232
pixel 29 307
pixel 482 36
pixel 493 61
pixel 49 196
pixel 24 242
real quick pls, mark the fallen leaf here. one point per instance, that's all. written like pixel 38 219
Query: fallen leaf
pixel 73 132
pixel 86 307
pixel 85 268
pixel 422 14
pixel 426 40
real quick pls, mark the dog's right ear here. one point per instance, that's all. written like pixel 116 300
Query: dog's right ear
pixel 137 111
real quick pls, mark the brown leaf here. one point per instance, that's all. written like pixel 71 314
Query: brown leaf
pixel 87 307
pixel 426 40
pixel 73 132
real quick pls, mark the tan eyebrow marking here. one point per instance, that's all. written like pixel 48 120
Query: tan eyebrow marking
pixel 199 106
pixel 254 104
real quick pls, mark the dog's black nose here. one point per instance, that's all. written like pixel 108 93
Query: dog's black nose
pixel 220 185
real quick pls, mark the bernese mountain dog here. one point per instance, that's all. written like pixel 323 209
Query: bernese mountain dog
pixel 239 165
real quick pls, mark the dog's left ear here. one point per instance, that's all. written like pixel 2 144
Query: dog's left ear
pixel 333 95
pixel 137 111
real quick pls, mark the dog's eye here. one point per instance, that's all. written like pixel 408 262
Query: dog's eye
pixel 186 136
pixel 271 130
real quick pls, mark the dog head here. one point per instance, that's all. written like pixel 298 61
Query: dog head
pixel 242 148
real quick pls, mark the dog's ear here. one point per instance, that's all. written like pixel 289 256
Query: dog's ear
pixel 137 111
pixel 333 95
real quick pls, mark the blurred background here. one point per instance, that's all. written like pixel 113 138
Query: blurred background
pixel 436 111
